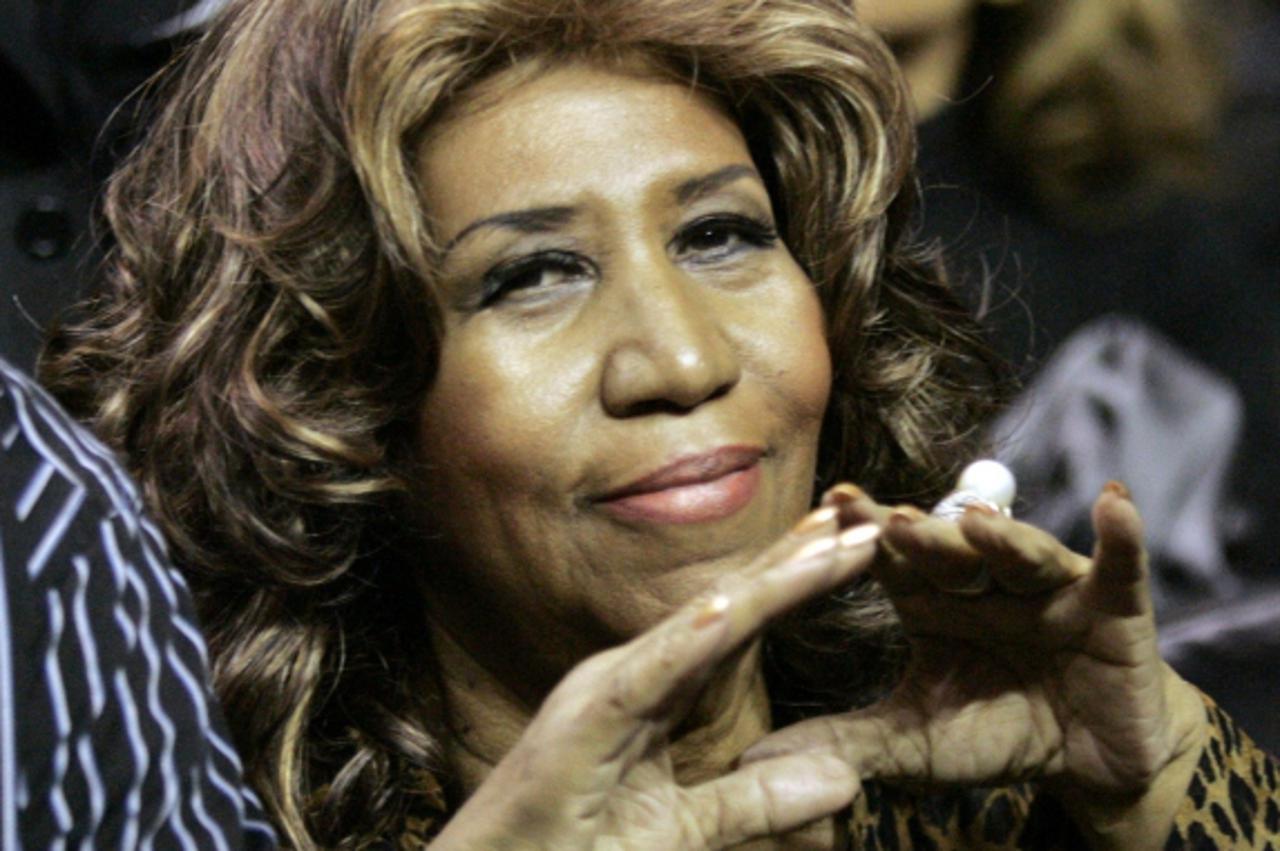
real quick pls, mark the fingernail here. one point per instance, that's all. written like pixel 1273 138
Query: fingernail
pixel 842 494
pixel 980 508
pixel 815 520
pixel 1115 487
pixel 713 610
pixel 859 535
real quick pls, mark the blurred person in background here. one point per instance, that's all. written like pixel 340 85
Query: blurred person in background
pixel 65 67
pixel 1102 176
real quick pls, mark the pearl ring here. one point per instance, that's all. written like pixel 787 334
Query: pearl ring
pixel 985 482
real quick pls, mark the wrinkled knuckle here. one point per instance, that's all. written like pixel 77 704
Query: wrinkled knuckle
pixel 1141 770
pixel 768 807
pixel 835 733
pixel 667 653
pixel 698 828
pixel 632 686
pixel 728 819
pixel 619 696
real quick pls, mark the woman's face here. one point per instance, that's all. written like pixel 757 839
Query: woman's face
pixel 633 368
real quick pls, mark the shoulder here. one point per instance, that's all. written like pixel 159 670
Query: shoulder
pixel 28 414
pixel 104 693
pixel 64 488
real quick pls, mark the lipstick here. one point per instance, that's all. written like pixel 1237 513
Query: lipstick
pixel 697 488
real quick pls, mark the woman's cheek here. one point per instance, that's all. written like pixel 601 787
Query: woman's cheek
pixel 496 418
pixel 789 345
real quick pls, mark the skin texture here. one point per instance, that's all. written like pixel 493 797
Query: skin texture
pixel 1052 674
pixel 600 668
pixel 664 337
pixel 594 768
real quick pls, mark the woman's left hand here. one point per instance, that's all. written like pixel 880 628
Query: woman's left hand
pixel 1028 661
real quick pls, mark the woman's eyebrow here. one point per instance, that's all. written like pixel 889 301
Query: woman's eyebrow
pixel 695 188
pixel 532 220
pixel 539 219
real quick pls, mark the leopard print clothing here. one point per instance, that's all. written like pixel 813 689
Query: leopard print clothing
pixel 1233 802
pixel 1234 798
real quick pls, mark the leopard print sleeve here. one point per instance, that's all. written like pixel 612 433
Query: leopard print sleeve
pixel 963 819
pixel 1233 802
pixel 1234 798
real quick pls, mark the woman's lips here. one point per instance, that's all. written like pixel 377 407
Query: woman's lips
pixel 694 489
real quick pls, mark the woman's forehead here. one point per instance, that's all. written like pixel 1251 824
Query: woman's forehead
pixel 574 131
pixel 506 86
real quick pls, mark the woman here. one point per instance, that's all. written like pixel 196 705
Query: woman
pixel 481 367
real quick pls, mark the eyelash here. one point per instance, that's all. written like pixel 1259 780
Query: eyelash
pixel 753 232
pixel 504 278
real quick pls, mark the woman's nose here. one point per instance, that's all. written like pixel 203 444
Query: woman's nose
pixel 668 349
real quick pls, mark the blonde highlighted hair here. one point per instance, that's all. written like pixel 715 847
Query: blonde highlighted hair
pixel 266 330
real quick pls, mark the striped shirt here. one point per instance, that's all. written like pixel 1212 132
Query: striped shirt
pixel 110 736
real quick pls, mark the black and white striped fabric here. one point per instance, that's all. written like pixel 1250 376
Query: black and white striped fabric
pixel 109 734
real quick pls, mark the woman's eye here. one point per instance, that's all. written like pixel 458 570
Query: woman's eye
pixel 714 238
pixel 532 274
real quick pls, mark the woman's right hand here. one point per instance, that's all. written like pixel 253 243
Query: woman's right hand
pixel 593 768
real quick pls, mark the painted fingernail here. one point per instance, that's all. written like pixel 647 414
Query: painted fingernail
pixel 815 520
pixel 859 535
pixel 1115 487
pixel 711 611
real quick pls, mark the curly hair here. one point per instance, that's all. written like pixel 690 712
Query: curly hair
pixel 266 330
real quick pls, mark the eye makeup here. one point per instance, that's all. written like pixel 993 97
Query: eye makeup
pixel 534 271
pixel 718 236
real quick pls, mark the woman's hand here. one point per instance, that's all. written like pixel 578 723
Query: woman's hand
pixel 1028 661
pixel 593 769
